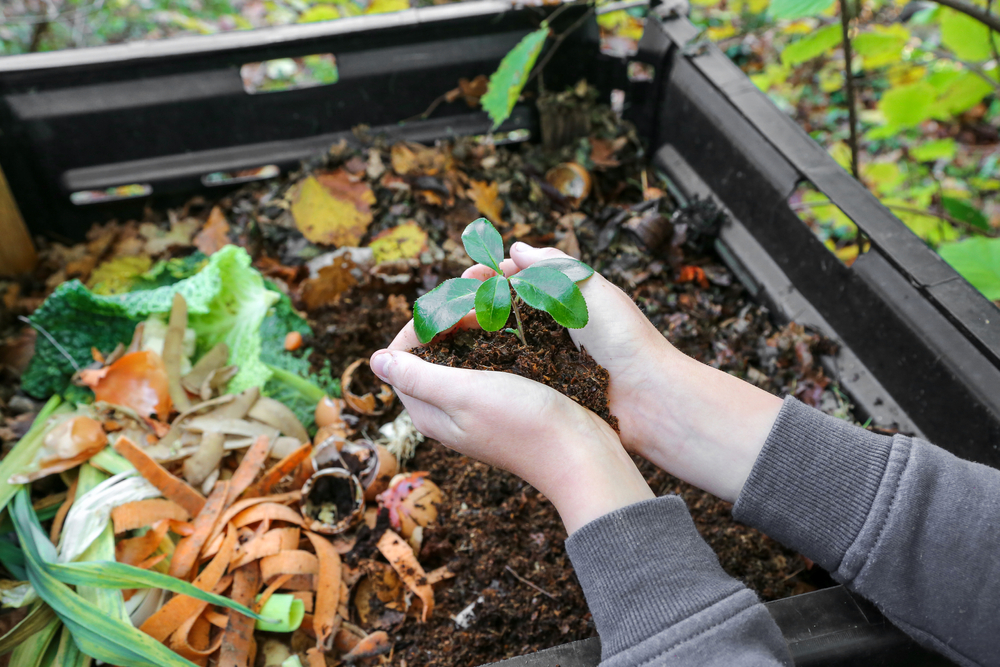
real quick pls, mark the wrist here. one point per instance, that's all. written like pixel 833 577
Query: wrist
pixel 592 475
pixel 702 424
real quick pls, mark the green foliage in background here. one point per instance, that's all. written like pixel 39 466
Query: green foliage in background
pixel 928 88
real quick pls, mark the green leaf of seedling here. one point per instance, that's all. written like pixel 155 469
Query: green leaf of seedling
pixel 960 210
pixel 443 307
pixel 484 244
pixel 550 290
pixel 977 259
pixel 508 81
pixel 493 303
pixel 573 269
pixel 795 9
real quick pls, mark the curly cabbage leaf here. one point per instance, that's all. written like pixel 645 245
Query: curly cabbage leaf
pixel 78 320
pixel 292 381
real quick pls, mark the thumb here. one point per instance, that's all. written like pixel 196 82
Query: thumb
pixel 413 376
pixel 525 255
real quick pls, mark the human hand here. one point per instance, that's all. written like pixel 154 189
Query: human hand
pixel 562 449
pixel 698 423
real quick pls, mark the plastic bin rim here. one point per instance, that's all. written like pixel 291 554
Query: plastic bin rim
pixel 257 37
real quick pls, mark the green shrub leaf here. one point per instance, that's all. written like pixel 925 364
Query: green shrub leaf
pixel 977 259
pixel 960 210
pixel 493 303
pixel 796 9
pixel 550 290
pixel 930 151
pixel 966 37
pixel 484 244
pixel 812 46
pixel 906 106
pixel 573 269
pixel 508 81
pixel 443 307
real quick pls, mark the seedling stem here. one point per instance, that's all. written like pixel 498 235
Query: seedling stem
pixel 517 318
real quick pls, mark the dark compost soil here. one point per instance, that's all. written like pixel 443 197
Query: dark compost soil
pixel 500 538
pixel 550 357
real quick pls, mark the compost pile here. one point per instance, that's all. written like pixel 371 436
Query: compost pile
pixel 211 425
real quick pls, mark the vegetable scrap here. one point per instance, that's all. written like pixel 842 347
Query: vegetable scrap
pixel 220 473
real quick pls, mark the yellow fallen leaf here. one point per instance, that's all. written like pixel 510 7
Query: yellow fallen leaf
pixel 117 275
pixel 404 241
pixel 412 158
pixel 333 209
pixel 485 195
pixel 385 6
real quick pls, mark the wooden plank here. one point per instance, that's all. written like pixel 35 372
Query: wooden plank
pixel 17 252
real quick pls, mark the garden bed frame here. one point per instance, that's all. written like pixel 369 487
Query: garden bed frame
pixel 919 347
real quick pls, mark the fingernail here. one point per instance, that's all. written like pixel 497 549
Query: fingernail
pixel 521 246
pixel 380 364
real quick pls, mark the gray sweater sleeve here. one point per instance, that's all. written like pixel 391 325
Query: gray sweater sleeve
pixel 898 520
pixel 905 524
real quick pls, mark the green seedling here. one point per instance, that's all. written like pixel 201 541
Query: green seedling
pixel 548 285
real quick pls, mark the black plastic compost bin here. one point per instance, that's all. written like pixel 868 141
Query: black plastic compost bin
pixel 920 348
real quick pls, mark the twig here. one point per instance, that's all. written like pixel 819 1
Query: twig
pixel 852 114
pixel 972 10
pixel 908 209
pixel 52 340
pixel 558 42
pixel 525 581
pixel 993 41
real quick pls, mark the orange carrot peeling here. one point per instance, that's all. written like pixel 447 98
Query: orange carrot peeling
pixel 180 608
pixel 273 587
pixel 188 549
pixel 328 590
pixel 278 471
pixel 238 635
pixel 251 464
pixel 57 522
pixel 141 513
pixel 172 487
pixel 289 562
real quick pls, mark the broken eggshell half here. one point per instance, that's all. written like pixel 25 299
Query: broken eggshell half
pixel 332 501
pixel 412 501
pixel 368 403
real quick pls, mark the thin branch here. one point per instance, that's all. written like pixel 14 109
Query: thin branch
pixel 972 67
pixel 525 581
pixel 993 41
pixel 558 42
pixel 852 113
pixel 972 10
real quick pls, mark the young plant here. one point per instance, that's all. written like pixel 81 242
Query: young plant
pixel 548 285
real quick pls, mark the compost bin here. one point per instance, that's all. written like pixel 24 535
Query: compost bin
pixel 153 123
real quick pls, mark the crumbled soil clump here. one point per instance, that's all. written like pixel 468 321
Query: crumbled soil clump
pixel 550 357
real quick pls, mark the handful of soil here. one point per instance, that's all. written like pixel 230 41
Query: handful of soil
pixel 550 357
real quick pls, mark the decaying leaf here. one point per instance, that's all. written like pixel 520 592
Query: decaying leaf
pixel 473 90
pixel 404 241
pixel 118 274
pixel 333 208
pixel 215 234
pixel 400 556
pixel 486 196
pixel 602 151
pixel 332 281
pixel 411 159
pixel 159 240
